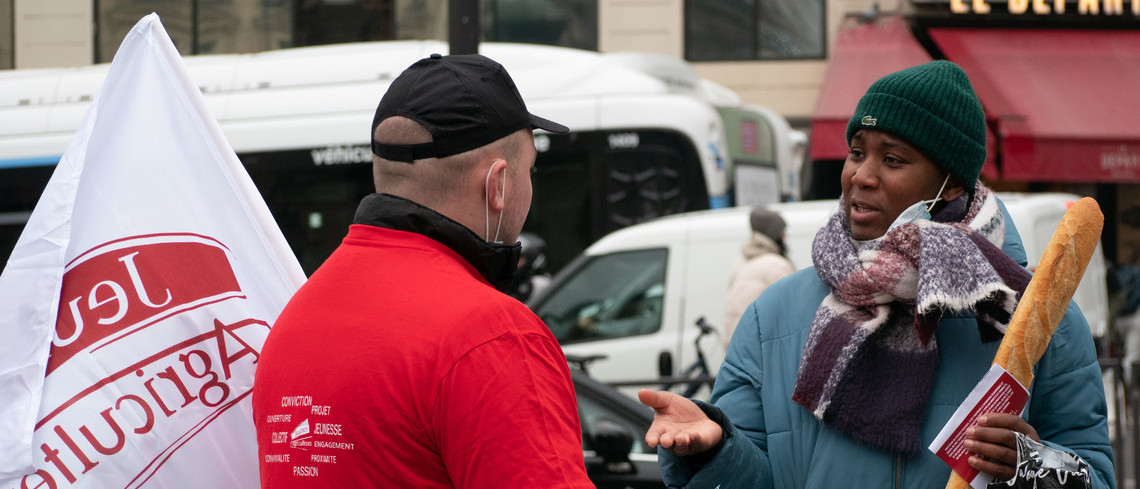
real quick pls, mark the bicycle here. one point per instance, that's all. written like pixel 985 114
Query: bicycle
pixel 582 362
pixel 697 373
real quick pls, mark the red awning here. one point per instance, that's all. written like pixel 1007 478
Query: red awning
pixel 863 53
pixel 1064 102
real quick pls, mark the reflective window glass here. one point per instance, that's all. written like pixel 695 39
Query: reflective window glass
pixel 420 19
pixel 115 18
pixel 244 26
pixel 726 30
pixel 569 23
pixel 199 26
pixel 791 29
pixel 720 30
pixel 588 184
pixel 338 21
pixel 609 296
pixel 21 188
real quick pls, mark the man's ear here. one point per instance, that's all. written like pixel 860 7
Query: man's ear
pixel 497 184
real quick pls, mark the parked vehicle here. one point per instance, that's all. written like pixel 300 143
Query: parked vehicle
pixel 634 295
pixel 613 437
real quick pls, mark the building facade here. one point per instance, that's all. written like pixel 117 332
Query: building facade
pixel 772 52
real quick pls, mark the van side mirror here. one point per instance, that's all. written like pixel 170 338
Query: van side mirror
pixel 613 442
pixel 665 364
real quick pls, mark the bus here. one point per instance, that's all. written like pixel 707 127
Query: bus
pixel 648 136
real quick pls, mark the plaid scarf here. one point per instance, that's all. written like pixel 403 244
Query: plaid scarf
pixel 870 359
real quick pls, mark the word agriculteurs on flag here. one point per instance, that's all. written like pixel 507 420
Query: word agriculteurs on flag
pixel 136 301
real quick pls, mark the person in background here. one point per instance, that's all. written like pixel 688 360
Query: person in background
pixel 400 363
pixel 842 374
pixel 763 262
pixel 1124 285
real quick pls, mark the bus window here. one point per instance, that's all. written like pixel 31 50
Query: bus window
pixel 313 195
pixel 644 183
pixel 586 184
pixel 21 188
pixel 590 183
pixel 561 211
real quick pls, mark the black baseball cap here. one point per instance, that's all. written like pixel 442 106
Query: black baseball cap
pixel 464 101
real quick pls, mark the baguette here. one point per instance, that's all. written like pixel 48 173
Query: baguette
pixel 1047 297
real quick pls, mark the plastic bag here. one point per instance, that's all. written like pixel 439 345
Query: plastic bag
pixel 1042 467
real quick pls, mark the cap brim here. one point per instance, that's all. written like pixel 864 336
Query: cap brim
pixel 547 125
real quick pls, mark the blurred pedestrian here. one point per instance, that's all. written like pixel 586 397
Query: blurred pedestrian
pixel 1125 279
pixel 763 262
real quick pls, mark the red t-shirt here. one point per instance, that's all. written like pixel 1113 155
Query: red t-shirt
pixel 397 365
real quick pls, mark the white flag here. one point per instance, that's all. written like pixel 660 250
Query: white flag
pixel 151 271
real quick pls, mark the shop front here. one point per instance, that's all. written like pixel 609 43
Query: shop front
pixel 1060 93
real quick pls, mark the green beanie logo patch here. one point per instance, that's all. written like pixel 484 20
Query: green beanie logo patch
pixel 869 121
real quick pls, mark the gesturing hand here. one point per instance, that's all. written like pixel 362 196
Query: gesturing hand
pixel 678 424
pixel 994 445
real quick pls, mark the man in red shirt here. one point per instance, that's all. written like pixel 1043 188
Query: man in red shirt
pixel 399 363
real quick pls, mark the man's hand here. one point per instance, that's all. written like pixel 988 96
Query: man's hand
pixel 678 424
pixel 994 445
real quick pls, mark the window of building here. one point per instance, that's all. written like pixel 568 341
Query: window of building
pixel 733 30
pixel 420 19
pixel 7 36
pixel 569 23
pixel 337 21
pixel 198 26
pixel 243 26
pixel 115 18
pixel 246 26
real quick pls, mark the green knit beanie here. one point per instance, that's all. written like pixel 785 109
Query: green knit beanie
pixel 933 108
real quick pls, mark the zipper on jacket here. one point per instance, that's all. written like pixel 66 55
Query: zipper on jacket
pixel 898 470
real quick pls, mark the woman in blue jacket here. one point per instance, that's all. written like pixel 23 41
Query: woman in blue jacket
pixel 841 375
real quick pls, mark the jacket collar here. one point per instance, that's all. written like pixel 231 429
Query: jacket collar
pixel 495 262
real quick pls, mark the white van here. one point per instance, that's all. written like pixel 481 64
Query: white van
pixel 636 294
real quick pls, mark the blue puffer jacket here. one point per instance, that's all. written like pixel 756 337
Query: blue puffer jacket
pixel 771 442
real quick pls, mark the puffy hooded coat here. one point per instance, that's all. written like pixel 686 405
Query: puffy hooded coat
pixel 772 442
pixel 761 266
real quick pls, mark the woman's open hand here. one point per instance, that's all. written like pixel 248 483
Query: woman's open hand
pixel 678 424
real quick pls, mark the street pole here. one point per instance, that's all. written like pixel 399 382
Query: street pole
pixel 463 26
pixel 193 27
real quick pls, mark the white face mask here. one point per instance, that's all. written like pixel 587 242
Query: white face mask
pixel 487 208
pixel 918 210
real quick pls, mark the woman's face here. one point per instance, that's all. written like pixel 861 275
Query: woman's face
pixel 883 175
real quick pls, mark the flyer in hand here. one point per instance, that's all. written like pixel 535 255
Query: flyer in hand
pixel 997 392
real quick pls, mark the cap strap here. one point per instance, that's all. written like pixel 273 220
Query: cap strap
pixel 405 153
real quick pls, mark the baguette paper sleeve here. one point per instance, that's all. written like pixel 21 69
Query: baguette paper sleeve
pixel 1047 296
